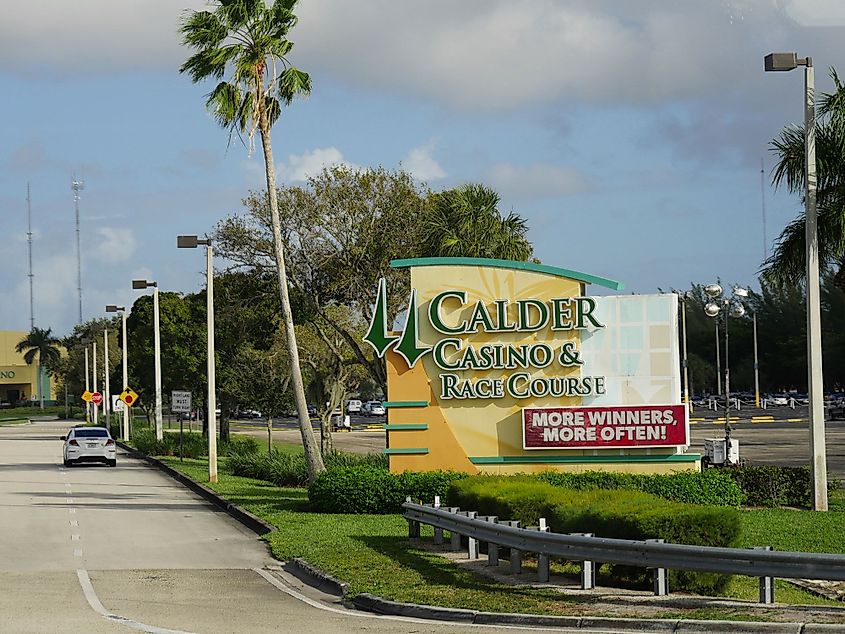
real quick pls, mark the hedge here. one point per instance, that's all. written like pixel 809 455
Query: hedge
pixel 194 444
pixel 292 469
pixel 776 486
pixel 714 486
pixel 622 514
pixel 364 489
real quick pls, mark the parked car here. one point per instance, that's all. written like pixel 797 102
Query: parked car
pixel 778 399
pixel 353 406
pixel 312 411
pixel 250 413
pixel 373 408
pixel 89 444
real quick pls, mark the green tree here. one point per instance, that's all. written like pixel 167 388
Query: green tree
pixel 787 264
pixel 466 222
pixel 341 231
pixel 249 40
pixel 40 344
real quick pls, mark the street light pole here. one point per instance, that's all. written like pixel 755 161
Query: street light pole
pixel 139 284
pixel 191 242
pixel 112 308
pixel 718 364
pixel 756 365
pixel 94 380
pixel 87 387
pixel 815 379
pixel 106 400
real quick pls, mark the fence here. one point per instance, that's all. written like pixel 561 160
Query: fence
pixel 761 561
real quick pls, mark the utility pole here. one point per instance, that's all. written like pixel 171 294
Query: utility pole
pixel 763 205
pixel 77 186
pixel 31 275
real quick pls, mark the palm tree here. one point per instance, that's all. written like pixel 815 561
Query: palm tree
pixel 787 262
pixel 465 222
pixel 248 40
pixel 44 345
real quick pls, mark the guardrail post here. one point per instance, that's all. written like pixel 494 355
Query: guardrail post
pixel 516 554
pixel 454 538
pixel 767 584
pixel 438 532
pixel 413 525
pixel 588 569
pixel 542 558
pixel 492 549
pixel 659 576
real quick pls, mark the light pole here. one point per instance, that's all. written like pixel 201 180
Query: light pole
pixel 815 379
pixel 191 242
pixel 756 365
pixel 107 396
pixel 85 341
pixel 139 284
pixel 94 377
pixel 111 308
pixel 732 307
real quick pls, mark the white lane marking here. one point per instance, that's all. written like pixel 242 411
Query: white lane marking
pixel 94 602
pixel 68 500
pixel 72 511
pixel 74 538
pixel 280 585
pixel 74 523
pixel 77 552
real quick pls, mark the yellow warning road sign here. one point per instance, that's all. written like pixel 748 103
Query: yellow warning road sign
pixel 87 396
pixel 128 396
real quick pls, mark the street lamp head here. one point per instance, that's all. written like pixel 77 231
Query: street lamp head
pixel 713 290
pixel 186 242
pixel 737 310
pixel 711 309
pixel 111 308
pixel 139 284
pixel 780 61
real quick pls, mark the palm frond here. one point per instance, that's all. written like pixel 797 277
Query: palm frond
pixel 293 82
pixel 203 29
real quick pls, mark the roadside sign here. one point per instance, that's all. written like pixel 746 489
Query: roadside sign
pixel 96 398
pixel 129 396
pixel 86 396
pixel 180 402
pixel 116 404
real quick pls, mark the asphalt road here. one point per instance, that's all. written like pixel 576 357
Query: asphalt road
pixel 94 549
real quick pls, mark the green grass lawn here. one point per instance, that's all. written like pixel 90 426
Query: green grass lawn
pixel 12 421
pixel 371 552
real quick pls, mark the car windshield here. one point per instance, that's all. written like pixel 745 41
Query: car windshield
pixel 90 433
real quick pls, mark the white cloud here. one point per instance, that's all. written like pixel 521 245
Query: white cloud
pixel 115 245
pixel 421 164
pixel 299 167
pixel 539 180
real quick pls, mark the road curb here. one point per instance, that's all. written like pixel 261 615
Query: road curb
pixel 252 522
pixel 315 577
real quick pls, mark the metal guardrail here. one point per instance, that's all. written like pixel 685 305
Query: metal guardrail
pixel 762 562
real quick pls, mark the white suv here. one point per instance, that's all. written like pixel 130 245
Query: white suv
pixel 374 408
pixel 89 444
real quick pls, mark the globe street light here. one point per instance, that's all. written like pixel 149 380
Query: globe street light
pixel 111 308
pixel 191 242
pixel 731 307
pixel 139 284
pixel 815 379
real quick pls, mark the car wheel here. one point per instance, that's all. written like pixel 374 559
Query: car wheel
pixel 68 463
pixel 112 463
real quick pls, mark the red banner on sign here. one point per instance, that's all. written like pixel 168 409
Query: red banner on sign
pixel 621 427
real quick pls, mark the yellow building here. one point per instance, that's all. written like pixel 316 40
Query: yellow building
pixel 19 381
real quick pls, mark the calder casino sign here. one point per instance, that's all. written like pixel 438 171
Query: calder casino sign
pixel 510 366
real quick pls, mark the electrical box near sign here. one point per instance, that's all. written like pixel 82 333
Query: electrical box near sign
pixel 718 452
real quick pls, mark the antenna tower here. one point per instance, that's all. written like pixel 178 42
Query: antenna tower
pixel 77 186
pixel 31 275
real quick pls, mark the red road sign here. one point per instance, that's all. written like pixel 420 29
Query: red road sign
pixel 97 398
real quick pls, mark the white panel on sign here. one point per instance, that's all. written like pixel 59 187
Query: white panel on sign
pixel 180 402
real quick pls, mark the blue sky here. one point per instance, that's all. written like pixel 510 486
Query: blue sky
pixel 629 134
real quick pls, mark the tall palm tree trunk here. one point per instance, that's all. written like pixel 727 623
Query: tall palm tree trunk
pixel 40 384
pixel 309 442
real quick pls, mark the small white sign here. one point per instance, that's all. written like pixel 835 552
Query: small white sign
pixel 180 402
pixel 116 404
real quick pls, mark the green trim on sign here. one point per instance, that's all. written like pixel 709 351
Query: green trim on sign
pixel 404 403
pixel 510 264
pixel 691 457
pixel 406 426
pixel 410 451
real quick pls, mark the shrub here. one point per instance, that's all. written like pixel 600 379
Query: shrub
pixel 616 513
pixel 366 489
pixel 194 444
pixel 776 486
pixel 239 445
pixel 292 469
pixel 714 486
